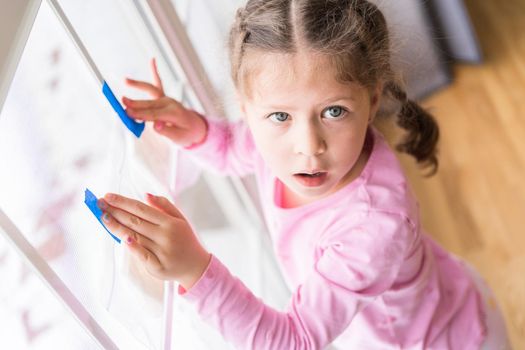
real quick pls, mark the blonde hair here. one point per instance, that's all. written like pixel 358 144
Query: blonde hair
pixel 353 35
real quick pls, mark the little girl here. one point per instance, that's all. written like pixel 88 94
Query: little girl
pixel 311 76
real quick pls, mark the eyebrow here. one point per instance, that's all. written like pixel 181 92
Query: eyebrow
pixel 327 101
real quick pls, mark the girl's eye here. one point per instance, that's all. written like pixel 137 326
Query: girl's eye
pixel 279 117
pixel 334 112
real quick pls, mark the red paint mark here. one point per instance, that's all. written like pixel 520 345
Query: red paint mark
pixel 54 212
pixel 53 247
pixel 32 332
pixel 53 84
pixel 82 162
pixel 56 55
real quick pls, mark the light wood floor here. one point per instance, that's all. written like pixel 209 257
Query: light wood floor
pixel 475 205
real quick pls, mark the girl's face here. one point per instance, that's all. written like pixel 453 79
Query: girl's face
pixel 309 128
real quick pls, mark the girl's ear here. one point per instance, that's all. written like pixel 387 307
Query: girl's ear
pixel 375 101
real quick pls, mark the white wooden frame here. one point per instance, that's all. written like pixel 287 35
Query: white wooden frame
pixel 231 191
pixel 17 19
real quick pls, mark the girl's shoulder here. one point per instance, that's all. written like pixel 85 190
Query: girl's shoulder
pixel 384 167
pixel 384 187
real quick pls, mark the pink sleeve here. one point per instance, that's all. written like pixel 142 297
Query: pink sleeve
pixel 228 148
pixel 356 265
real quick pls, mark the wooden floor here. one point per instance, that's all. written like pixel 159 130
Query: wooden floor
pixel 475 205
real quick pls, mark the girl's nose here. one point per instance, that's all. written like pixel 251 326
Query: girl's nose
pixel 309 141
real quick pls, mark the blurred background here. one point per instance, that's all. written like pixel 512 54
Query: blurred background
pixel 475 205
pixel 462 59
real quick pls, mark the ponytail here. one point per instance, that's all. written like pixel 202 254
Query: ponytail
pixel 423 131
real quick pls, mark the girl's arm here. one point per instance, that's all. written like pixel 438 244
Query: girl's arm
pixel 215 143
pixel 356 264
pixel 228 148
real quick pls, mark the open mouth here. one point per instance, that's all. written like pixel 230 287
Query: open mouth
pixel 310 175
pixel 311 179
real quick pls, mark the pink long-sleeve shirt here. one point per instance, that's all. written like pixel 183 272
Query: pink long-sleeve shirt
pixel 363 273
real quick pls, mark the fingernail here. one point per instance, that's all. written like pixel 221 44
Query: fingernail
pixel 150 195
pixel 102 204
pixel 105 217
pixel 109 197
pixel 129 240
pixel 159 126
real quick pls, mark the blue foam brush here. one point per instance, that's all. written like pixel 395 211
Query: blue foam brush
pixel 135 127
pixel 91 201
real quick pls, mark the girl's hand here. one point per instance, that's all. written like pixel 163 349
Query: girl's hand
pixel 159 235
pixel 170 118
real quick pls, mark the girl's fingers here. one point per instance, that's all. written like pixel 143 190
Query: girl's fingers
pixel 156 77
pixel 152 114
pixel 160 103
pixel 171 131
pixel 162 203
pixel 143 114
pixel 133 207
pixel 125 233
pixel 144 254
pixel 139 104
pixel 134 223
pixel 145 86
